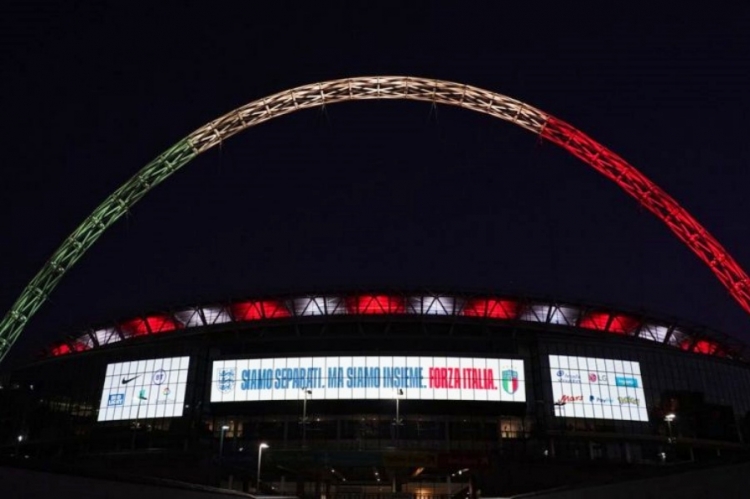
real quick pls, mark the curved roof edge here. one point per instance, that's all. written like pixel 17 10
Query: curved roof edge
pixel 494 308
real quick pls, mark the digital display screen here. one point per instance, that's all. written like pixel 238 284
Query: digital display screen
pixel 585 387
pixel 144 389
pixel 362 378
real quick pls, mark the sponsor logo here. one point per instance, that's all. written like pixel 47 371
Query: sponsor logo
pixel 628 400
pixel 598 378
pixel 598 400
pixel 626 381
pixel 566 399
pixel 226 379
pixel 166 393
pixel 568 377
pixel 143 394
pixel 116 399
pixel 125 381
pixel 159 377
pixel 510 381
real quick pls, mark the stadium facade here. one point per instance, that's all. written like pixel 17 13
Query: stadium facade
pixel 426 394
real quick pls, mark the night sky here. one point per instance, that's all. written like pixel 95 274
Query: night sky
pixel 370 195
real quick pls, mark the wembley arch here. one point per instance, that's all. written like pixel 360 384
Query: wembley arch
pixel 633 182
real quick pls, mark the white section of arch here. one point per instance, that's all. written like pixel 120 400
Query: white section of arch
pixel 367 88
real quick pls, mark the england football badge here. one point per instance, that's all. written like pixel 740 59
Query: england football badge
pixel 510 381
pixel 225 379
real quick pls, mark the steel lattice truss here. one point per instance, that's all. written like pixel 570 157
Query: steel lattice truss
pixel 687 229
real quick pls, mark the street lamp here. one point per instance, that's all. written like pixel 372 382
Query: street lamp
pixel 260 456
pixel 221 441
pixel 142 395
pixel 304 416
pixel 398 421
pixel 19 439
pixel 669 418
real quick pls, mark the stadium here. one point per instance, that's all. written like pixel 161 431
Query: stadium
pixel 426 394
pixel 417 393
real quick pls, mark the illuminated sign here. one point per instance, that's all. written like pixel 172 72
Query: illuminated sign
pixel 350 378
pixel 144 389
pixel 584 387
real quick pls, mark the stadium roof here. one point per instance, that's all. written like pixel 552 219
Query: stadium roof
pixel 495 309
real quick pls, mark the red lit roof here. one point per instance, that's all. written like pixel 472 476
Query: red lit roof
pixel 468 307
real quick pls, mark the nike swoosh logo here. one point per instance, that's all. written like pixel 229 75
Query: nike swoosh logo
pixel 126 381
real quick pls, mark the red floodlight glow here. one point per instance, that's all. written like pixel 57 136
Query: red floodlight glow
pixel 376 304
pixel 258 310
pixel 152 324
pixel 614 323
pixel 595 320
pixel 134 327
pixel 162 324
pixel 65 348
pixel 60 350
pixel 623 324
pixel 491 308
pixel 701 346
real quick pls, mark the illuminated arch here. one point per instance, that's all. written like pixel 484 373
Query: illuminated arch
pixel 687 229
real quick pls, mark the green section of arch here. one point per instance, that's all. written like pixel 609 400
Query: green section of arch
pixel 77 243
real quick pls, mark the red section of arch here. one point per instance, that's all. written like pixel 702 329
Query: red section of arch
pixel 661 204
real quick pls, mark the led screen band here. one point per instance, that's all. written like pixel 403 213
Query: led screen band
pixel 369 378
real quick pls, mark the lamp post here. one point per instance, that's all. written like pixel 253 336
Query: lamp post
pixel 260 456
pixel 561 413
pixel 221 441
pixel 669 418
pixel 304 416
pixel 398 421
pixel 19 439
pixel 142 395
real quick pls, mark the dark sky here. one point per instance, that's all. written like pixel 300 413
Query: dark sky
pixel 370 194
